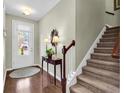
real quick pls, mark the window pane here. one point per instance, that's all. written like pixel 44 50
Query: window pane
pixel 23 43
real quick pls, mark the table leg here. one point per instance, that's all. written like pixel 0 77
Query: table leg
pixel 61 71
pixel 54 74
pixel 47 66
pixel 42 66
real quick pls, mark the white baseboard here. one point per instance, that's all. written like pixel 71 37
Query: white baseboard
pixel 52 74
pixel 87 56
pixel 4 79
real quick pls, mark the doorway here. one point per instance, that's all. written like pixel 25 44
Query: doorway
pixel 22 44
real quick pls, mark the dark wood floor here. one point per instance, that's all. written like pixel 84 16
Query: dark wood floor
pixel 39 83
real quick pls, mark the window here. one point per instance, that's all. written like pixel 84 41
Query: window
pixel 23 41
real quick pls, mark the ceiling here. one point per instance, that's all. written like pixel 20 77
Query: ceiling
pixel 39 7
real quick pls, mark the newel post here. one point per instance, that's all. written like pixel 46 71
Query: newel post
pixel 64 71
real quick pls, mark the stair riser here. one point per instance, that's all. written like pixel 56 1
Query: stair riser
pixel 103 78
pixel 106 58
pixel 109 45
pixel 103 50
pixel 109 35
pixel 92 88
pixel 107 40
pixel 113 29
pixel 111 32
pixel 105 67
pixel 78 88
pixel 106 36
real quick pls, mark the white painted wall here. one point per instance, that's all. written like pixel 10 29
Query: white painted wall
pixel 109 5
pixel 89 22
pixel 62 18
pixel 113 20
pixel 8 42
pixel 4 17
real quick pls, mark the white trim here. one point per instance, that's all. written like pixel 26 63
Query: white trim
pixel 14 33
pixel 87 56
pixel 45 69
pixel 4 80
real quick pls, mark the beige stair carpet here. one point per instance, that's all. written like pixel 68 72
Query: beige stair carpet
pixel 101 75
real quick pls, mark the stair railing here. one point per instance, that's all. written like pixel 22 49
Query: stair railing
pixel 116 49
pixel 64 51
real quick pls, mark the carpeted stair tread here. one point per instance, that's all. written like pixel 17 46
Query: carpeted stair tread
pixel 110 34
pixel 107 32
pixel 103 50
pixel 104 62
pixel 104 56
pixel 108 39
pixel 94 82
pixel 79 89
pixel 107 65
pixel 112 31
pixel 102 72
pixel 106 44
pixel 113 28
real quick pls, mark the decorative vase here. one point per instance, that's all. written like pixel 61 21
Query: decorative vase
pixel 49 56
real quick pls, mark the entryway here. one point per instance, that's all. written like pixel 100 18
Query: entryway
pixel 22 44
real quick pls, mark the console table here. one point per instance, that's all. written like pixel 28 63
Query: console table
pixel 53 61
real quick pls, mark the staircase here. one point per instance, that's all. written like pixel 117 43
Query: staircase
pixel 101 75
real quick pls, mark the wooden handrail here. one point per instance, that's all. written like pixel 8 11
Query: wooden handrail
pixel 72 44
pixel 64 51
pixel 116 48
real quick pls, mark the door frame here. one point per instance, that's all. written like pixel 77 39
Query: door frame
pixel 13 29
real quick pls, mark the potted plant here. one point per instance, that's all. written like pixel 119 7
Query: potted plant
pixel 49 53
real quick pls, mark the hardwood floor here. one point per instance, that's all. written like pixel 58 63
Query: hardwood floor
pixel 39 83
